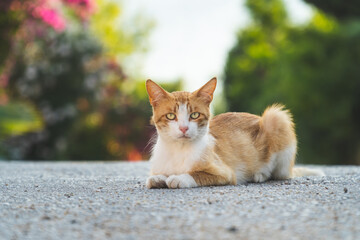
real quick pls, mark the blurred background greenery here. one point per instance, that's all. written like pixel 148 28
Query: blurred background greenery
pixel 66 92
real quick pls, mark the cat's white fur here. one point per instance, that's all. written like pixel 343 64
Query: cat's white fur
pixel 171 157
pixel 181 181
pixel 278 166
pixel 282 163
pixel 156 179
pixel 240 171
pixel 174 158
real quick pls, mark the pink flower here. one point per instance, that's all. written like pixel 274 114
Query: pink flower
pixel 50 16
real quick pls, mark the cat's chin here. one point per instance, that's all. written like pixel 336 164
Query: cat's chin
pixel 184 138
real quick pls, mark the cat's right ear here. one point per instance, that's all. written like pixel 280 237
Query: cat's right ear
pixel 155 92
pixel 207 91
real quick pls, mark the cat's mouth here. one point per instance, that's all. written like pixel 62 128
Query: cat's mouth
pixel 184 137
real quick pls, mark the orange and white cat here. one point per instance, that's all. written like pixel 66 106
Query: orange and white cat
pixel 193 149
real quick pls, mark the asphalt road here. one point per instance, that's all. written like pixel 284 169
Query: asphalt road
pixel 69 200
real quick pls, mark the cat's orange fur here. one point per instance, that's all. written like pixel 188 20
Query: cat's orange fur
pixel 226 149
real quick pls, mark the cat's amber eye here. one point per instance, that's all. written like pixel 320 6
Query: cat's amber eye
pixel 170 116
pixel 195 115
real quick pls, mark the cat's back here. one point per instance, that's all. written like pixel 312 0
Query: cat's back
pixel 233 122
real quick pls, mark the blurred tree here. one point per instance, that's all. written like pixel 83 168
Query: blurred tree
pixel 340 9
pixel 53 79
pixel 67 63
pixel 18 117
pixel 9 22
pixel 312 69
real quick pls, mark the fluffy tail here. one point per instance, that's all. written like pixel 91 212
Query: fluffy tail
pixel 278 125
pixel 301 171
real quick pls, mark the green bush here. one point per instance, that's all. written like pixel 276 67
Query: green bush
pixel 312 69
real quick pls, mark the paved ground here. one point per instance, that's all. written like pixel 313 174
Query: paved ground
pixel 110 201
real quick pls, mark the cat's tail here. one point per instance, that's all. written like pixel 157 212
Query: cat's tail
pixel 301 171
pixel 277 124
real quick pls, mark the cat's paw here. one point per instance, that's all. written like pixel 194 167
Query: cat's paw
pixel 156 181
pixel 260 177
pixel 181 181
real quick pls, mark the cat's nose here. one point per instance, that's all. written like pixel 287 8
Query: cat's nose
pixel 183 129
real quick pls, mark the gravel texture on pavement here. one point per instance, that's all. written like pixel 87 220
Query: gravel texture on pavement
pixel 94 200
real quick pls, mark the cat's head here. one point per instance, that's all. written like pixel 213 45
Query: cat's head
pixel 181 116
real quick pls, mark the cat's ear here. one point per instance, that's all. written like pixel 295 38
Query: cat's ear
pixel 207 91
pixel 155 92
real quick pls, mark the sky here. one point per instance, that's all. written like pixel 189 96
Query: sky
pixel 191 39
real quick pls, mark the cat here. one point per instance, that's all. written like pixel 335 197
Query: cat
pixel 194 149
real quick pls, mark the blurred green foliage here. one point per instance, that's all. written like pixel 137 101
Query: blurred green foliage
pixel 313 69
pixel 64 94
pixel 17 118
pixel 340 9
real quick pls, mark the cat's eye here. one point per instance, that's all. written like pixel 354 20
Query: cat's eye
pixel 170 116
pixel 194 115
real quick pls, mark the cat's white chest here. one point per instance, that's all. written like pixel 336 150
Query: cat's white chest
pixel 167 162
pixel 174 159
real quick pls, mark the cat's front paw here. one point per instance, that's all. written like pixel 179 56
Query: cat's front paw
pixel 181 181
pixel 156 181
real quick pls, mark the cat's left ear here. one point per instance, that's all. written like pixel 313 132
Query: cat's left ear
pixel 207 91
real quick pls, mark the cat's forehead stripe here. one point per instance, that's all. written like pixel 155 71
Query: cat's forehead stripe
pixel 188 105
pixel 181 97
pixel 176 107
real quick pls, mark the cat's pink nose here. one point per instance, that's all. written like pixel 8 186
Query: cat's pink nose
pixel 183 129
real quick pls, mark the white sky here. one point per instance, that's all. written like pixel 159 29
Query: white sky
pixel 191 38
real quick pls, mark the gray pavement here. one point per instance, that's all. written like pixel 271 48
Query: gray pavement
pixel 68 200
